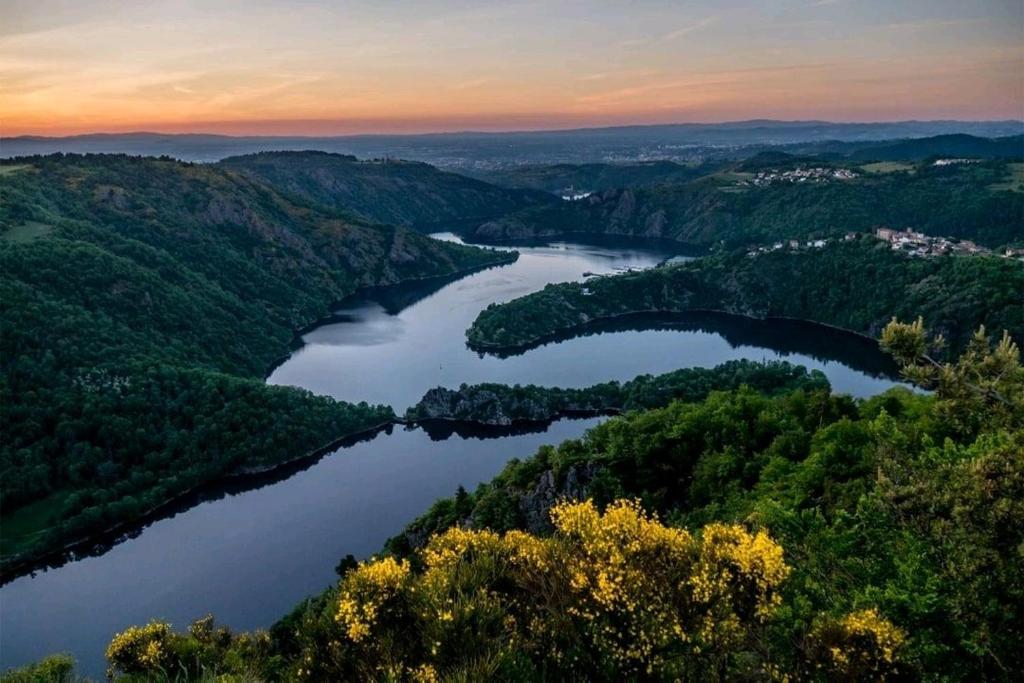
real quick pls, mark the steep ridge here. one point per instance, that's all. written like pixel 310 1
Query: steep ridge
pixel 142 301
pixel 407 193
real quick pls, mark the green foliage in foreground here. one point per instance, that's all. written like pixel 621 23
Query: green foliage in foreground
pixel 504 404
pixel 135 329
pixel 52 669
pixel 856 285
pixel 806 536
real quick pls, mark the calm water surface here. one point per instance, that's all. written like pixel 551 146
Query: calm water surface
pixel 250 552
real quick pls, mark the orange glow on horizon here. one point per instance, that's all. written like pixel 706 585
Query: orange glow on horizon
pixel 353 68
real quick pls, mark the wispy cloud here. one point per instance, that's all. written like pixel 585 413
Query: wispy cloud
pixel 469 85
pixel 671 35
pixel 686 30
pixel 932 24
pixel 702 84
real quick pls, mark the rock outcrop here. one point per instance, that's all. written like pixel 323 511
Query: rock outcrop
pixel 535 505
pixel 503 406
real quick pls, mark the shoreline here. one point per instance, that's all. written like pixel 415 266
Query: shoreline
pixel 16 566
pixel 485 347
pixel 28 563
pixel 296 341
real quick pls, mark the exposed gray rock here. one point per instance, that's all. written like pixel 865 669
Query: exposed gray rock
pixel 535 505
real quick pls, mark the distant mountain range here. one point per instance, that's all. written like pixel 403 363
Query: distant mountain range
pixel 684 141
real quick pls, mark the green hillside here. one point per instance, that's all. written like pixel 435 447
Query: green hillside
pixel 407 193
pixel 964 201
pixel 141 302
pixel 856 285
pixel 805 536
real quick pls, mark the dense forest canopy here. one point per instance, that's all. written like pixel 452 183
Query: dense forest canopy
pixel 741 537
pixel 504 405
pixel 974 201
pixel 856 285
pixel 734 523
pixel 141 301
pixel 391 191
pixel 563 178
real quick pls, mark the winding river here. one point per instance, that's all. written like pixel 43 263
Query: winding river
pixel 249 551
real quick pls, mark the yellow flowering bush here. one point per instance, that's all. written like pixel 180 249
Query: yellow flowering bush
pixel 860 645
pixel 205 652
pixel 140 649
pixel 368 590
pixel 618 590
pixel 650 594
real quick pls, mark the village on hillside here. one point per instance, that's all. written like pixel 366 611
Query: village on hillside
pixel 908 241
pixel 817 174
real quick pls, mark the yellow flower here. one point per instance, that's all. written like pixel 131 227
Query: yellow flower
pixel 868 623
pixel 366 590
pixel 424 673
pixel 139 648
pixel 860 642
pixel 644 597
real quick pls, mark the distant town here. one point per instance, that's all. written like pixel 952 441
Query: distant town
pixel 817 174
pixel 908 241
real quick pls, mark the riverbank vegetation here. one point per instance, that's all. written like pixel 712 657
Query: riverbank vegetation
pixel 135 331
pixel 504 405
pixel 855 285
pixel 805 536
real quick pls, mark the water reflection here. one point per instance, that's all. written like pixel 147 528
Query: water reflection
pixel 250 549
pixel 783 336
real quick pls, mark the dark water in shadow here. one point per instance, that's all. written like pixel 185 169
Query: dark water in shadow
pixel 249 550
pixel 785 337
pixel 383 353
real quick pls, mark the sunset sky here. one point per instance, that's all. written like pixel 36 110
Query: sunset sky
pixel 293 67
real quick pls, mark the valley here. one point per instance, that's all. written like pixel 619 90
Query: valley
pixel 406 365
pixel 386 346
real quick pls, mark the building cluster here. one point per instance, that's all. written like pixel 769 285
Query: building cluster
pixel 919 244
pixel 792 245
pixel 571 195
pixel 951 162
pixel 817 174
pixel 907 241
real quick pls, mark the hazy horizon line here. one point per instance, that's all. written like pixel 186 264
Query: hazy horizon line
pixel 485 131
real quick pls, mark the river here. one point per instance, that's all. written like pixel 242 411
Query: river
pixel 248 552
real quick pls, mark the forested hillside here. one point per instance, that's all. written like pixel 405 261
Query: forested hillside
pixel 963 201
pixel 806 536
pixel 407 193
pixel 952 145
pixel 856 285
pixel 504 405
pixel 559 178
pixel 141 301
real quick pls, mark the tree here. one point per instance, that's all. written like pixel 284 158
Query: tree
pixel 984 386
